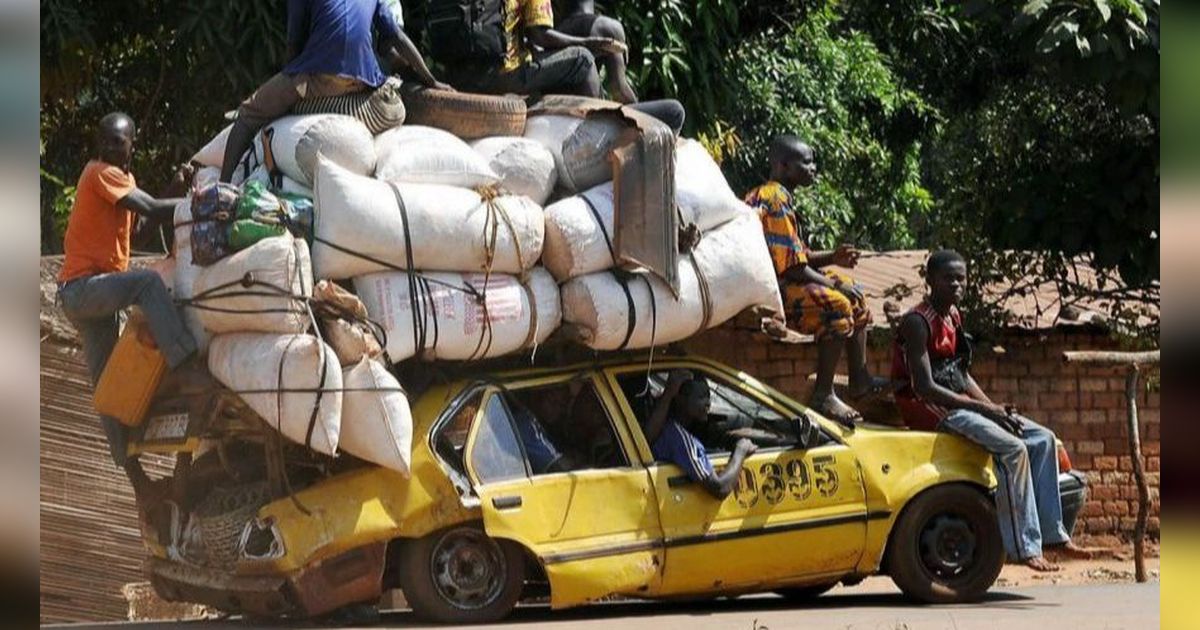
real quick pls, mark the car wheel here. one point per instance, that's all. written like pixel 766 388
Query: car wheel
pixel 460 575
pixel 946 547
pixel 804 593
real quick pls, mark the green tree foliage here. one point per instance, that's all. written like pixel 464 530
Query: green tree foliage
pixel 836 90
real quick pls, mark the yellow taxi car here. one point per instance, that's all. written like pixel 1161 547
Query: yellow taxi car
pixel 476 524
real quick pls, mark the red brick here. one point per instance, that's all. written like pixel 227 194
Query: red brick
pixel 1092 508
pixel 1093 385
pixel 1148 416
pixel 1003 384
pixel 1151 448
pixel 1053 400
pixel 1125 462
pixel 1089 447
pixel 1089 416
pixel 1109 400
pixel 1152 464
pixel 1152 432
pixel 1105 493
pixel 1107 430
pixel 1064 384
pixel 1069 431
pixel 1105 462
pixel 1152 524
pixel 1116 446
pixel 1064 417
pixel 983 368
pixel 1127 523
pixel 1034 384
pixel 1045 368
pixel 1116 508
pixel 1080 462
pixel 1115 477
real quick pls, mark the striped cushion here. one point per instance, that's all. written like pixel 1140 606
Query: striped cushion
pixel 379 110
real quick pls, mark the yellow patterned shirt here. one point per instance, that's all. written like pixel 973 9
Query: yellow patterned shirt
pixel 518 15
pixel 773 203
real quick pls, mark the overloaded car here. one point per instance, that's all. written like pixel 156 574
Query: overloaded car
pixel 251 524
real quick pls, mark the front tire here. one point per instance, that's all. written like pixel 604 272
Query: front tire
pixel 459 575
pixel 946 547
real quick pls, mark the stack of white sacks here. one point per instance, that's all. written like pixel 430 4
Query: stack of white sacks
pixel 448 247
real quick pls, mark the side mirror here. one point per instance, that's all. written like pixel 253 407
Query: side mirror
pixel 805 431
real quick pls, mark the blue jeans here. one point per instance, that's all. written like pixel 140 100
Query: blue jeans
pixel 94 303
pixel 1027 501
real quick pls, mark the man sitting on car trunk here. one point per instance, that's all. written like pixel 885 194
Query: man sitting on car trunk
pixel 931 357
pixel 684 403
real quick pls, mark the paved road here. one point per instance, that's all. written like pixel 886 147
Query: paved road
pixel 875 605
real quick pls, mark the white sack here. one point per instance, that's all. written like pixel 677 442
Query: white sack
pixel 376 425
pixel 450 227
pixel 186 273
pixel 580 146
pixel 458 318
pixel 213 153
pixel 282 278
pixel 254 361
pixel 287 185
pixel 425 155
pixel 575 244
pixel 733 261
pixel 524 166
pixel 703 195
pixel 297 140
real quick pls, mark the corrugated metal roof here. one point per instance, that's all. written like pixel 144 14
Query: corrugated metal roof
pixel 895 276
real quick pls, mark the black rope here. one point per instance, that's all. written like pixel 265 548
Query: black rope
pixel 600 223
pixel 631 311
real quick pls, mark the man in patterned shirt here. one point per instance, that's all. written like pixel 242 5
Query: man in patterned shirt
pixel 817 300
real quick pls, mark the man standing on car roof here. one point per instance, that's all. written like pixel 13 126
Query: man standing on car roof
pixel 940 395
pixel 95 283
pixel 684 403
pixel 330 53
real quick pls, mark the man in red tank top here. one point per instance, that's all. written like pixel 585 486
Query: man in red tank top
pixel 1028 503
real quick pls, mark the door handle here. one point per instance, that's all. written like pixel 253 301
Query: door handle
pixel 678 480
pixel 506 503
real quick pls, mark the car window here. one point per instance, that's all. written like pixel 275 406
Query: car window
pixel 732 413
pixel 565 426
pixel 450 438
pixel 496 454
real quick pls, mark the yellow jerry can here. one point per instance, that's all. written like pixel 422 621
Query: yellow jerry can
pixel 132 374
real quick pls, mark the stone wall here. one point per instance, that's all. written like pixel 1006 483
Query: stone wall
pixel 1084 406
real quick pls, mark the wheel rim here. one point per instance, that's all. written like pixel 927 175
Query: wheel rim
pixel 948 544
pixel 468 569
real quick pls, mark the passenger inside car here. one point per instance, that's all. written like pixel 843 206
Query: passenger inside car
pixel 570 419
pixel 683 405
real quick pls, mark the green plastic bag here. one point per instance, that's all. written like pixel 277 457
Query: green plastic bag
pixel 246 232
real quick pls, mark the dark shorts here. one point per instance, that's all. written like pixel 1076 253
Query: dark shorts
pixel 561 71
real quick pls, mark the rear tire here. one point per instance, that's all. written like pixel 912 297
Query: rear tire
pixel 946 547
pixel 459 575
pixel 468 116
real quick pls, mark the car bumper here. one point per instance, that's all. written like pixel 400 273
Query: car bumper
pixel 1072 487
pixel 350 577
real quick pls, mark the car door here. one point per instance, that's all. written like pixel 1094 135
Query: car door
pixel 797 515
pixel 596 530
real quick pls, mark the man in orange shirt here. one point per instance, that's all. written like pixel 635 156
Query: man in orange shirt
pixel 95 285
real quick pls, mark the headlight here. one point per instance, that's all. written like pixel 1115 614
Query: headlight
pixel 261 541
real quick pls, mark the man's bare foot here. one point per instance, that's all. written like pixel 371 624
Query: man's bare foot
pixel 833 408
pixel 1070 550
pixel 1039 563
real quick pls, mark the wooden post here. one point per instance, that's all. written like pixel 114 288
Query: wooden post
pixel 1139 473
pixel 1132 361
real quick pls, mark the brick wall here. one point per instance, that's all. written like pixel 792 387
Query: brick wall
pixel 1084 406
